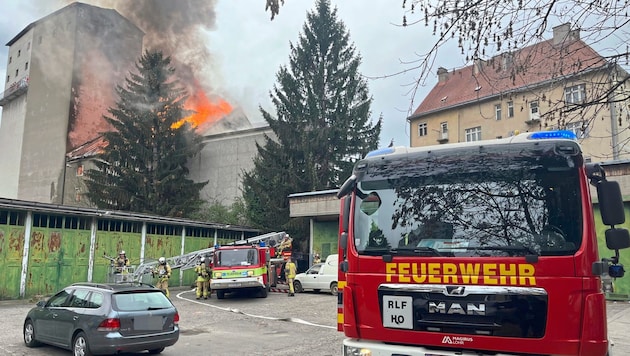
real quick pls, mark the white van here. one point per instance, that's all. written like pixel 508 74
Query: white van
pixel 321 276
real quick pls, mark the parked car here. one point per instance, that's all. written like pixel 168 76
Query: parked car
pixel 321 276
pixel 100 319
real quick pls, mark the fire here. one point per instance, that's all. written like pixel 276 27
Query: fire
pixel 206 111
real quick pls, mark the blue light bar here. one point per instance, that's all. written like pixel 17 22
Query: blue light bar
pixel 262 244
pixel 543 135
pixel 381 151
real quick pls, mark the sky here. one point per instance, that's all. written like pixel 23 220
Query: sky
pixel 247 49
pixel 242 49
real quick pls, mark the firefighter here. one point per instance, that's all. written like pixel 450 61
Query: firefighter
pixel 120 267
pixel 204 272
pixel 122 262
pixel 290 270
pixel 316 258
pixel 163 273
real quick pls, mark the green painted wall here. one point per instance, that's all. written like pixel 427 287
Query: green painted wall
pixel 325 238
pixel 11 250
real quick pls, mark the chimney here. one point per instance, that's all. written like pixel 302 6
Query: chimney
pixel 442 74
pixel 563 33
pixel 477 65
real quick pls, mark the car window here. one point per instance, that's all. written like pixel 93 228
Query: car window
pixel 59 299
pixel 96 300
pixel 315 269
pixel 141 301
pixel 79 298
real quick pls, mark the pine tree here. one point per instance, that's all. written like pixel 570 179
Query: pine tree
pixel 143 168
pixel 322 122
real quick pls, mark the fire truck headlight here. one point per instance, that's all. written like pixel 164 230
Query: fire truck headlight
pixel 217 275
pixel 250 273
pixel 356 351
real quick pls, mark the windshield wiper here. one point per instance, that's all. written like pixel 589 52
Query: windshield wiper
pixel 415 251
pixel 503 248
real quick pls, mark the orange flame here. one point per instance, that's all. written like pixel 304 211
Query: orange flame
pixel 206 111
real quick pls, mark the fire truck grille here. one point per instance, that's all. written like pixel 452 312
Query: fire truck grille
pixel 503 312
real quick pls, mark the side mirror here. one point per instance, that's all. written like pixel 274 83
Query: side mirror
pixel 617 239
pixel 610 203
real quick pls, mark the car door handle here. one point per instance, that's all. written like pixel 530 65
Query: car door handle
pixel 54 315
pixel 76 317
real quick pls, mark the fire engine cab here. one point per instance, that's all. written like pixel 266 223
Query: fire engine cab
pixel 477 248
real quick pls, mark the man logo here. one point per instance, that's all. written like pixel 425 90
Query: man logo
pixel 455 290
pixel 447 340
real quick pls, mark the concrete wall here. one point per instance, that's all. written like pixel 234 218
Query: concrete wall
pixel 222 162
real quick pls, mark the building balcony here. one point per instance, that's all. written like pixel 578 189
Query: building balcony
pixel 533 120
pixel 16 89
pixel 442 137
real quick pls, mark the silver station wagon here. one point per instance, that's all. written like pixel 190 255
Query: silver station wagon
pixel 102 319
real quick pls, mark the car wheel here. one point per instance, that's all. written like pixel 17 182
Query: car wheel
pixel 297 286
pixel 333 288
pixel 156 351
pixel 29 334
pixel 220 294
pixel 80 346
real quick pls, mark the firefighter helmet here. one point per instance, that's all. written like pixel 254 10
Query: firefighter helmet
pixel 203 259
pixel 122 252
pixel 162 260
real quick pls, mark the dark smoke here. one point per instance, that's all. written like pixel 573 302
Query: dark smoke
pixel 175 27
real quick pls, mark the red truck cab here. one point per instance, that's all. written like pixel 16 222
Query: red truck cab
pixel 479 248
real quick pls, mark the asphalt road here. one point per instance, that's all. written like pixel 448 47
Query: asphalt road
pixel 243 325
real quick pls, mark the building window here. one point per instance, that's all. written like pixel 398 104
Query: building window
pixel 17 71
pixel 19 52
pixel 497 112
pixel 422 129
pixel 10 59
pixel 8 77
pixel 510 107
pixel 579 128
pixel 575 94
pixel 80 170
pixel 473 134
pixel 26 66
pixel 534 113
pixel 28 46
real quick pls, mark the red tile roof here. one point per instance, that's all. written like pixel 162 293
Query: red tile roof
pixel 531 66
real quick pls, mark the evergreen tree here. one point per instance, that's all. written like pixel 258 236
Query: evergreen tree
pixel 143 168
pixel 322 124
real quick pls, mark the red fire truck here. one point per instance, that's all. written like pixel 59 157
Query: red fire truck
pixel 477 248
pixel 241 268
pixel 249 266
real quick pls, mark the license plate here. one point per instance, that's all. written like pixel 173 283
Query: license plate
pixel 233 285
pixel 397 312
pixel 148 323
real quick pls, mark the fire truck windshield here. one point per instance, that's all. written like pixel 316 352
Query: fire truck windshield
pixel 236 257
pixel 513 202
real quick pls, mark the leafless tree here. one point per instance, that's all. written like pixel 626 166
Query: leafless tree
pixel 486 29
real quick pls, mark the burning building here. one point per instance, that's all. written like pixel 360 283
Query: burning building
pixel 61 77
